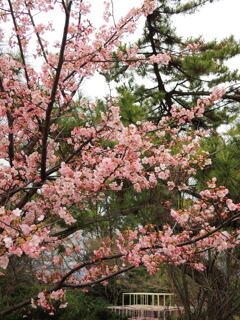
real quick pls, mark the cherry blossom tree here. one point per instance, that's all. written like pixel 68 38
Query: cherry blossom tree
pixel 51 169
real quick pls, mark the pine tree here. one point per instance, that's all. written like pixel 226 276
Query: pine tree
pixel 196 67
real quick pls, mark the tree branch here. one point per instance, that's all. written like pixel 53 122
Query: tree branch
pixel 53 93
pixel 161 86
pixel 92 283
pixel 19 43
pixel 37 33
pixel 234 97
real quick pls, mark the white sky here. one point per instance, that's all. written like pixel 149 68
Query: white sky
pixel 214 20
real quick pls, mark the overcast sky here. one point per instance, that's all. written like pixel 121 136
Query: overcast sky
pixel 214 20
